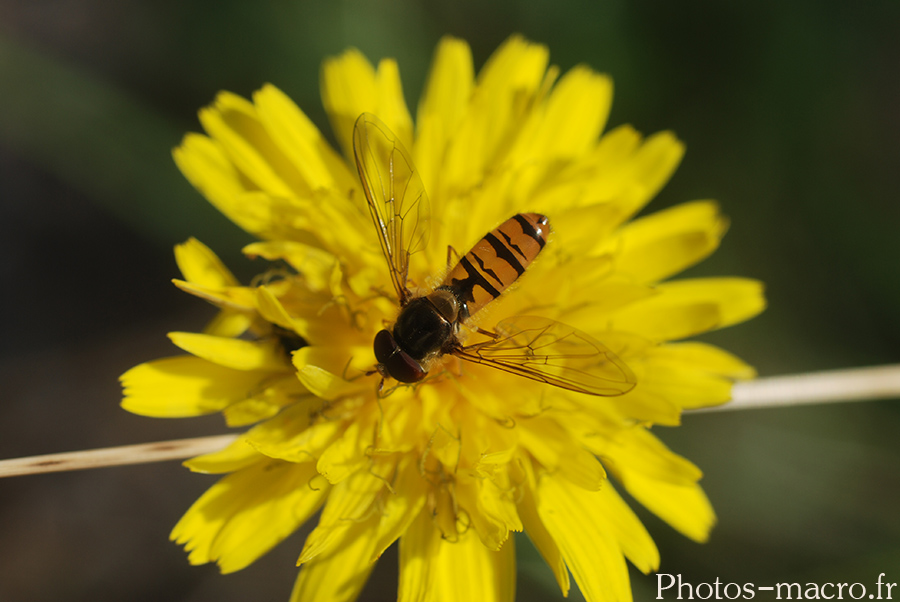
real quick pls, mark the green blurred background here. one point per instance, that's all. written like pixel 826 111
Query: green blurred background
pixel 791 115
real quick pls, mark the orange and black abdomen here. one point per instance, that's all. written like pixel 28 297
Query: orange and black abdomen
pixel 497 260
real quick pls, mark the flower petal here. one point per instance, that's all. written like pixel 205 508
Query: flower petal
pixel 553 447
pixel 314 264
pixel 638 450
pixel 491 509
pixel 271 308
pixel 402 505
pixel 177 387
pixel 392 107
pixel 685 387
pixel 245 514
pixel 346 455
pixel 505 90
pixel 590 549
pixel 273 394
pixel 198 264
pixel 351 86
pixel 318 368
pixel 239 454
pixel 664 243
pixel 542 540
pixel 207 167
pixel 576 113
pixel 351 501
pixel 441 107
pixel 289 436
pixel 232 121
pixel 300 140
pixel 233 353
pixel 685 507
pixel 623 523
pixel 688 307
pixel 340 574
pixel 238 298
pixel 703 356
pixel 435 569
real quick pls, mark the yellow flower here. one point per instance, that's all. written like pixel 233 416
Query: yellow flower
pixel 449 466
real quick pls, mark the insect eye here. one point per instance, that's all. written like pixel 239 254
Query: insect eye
pixel 384 346
pixel 404 368
pixel 397 362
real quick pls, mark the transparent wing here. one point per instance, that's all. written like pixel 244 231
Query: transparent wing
pixel 395 194
pixel 551 352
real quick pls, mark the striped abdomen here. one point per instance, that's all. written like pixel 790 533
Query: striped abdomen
pixel 496 261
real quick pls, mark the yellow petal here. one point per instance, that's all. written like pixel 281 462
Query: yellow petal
pixel 339 575
pixel 347 454
pixel 274 311
pixel 232 121
pixel 647 406
pixel 573 517
pixel 684 506
pixel 247 513
pixel 351 86
pixel 567 126
pixel 274 394
pixel 238 298
pixel 654 163
pixel 229 323
pixel 623 523
pixel 552 446
pixel 638 450
pixel 198 264
pixel 664 243
pixel 442 106
pixel 353 498
pixel 318 368
pixel 417 549
pixel 688 307
pixel 600 177
pixel 402 504
pixel 541 538
pixel 300 140
pixel 182 386
pixel 504 92
pixel 237 455
pixel 351 501
pixel 207 167
pixel 685 387
pixel 433 569
pixel 392 107
pixel 289 436
pixel 314 264
pixel 348 89
pixel 491 510
pixel 702 356
pixel 234 353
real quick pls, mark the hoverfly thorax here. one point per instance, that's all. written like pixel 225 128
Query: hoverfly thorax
pixel 428 326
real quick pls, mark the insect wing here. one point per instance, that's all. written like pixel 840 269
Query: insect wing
pixel 554 353
pixel 395 194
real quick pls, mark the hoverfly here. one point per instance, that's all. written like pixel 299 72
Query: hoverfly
pixel 428 326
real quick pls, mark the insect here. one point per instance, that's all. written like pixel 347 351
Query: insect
pixel 429 326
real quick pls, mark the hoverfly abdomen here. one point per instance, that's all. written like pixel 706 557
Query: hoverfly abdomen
pixel 496 261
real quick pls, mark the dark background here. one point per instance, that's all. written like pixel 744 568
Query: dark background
pixel 791 115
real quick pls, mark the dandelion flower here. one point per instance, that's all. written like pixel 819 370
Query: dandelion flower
pixel 453 464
